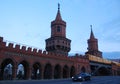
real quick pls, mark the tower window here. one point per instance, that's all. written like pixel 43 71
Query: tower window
pixel 58 29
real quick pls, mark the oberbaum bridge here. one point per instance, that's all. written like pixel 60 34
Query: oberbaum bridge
pixel 24 62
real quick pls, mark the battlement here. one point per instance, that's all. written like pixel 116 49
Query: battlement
pixel 1 39
pixel 17 47
pixel 78 56
pixel 20 47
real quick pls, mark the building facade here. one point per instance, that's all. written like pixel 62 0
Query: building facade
pixel 23 62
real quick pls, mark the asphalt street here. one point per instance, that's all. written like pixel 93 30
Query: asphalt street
pixel 94 80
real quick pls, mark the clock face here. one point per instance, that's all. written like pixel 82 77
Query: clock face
pixel 58 29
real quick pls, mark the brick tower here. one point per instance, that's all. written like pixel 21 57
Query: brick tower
pixel 93 45
pixel 58 43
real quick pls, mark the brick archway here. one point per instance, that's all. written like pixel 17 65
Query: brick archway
pixel 65 71
pixel 72 71
pixel 48 71
pixel 36 70
pixel 57 71
pixel 83 69
pixel 25 66
pixel 6 72
pixel 103 71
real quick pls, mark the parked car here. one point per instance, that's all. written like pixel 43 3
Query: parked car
pixel 81 77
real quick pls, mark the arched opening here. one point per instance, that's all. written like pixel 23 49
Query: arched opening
pixel 72 71
pixel 93 69
pixel 65 71
pixel 103 71
pixel 23 70
pixel 48 71
pixel 36 71
pixel 57 71
pixel 83 69
pixel 6 72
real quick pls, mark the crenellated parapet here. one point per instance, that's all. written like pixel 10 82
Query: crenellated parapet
pixel 1 39
pixel 78 58
pixel 12 47
pixel 15 47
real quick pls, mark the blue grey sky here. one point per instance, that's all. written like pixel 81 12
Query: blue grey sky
pixel 28 22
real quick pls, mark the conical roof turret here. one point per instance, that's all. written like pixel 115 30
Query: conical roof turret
pixel 58 16
pixel 92 34
pixel 58 20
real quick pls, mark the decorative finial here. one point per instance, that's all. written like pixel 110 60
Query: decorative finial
pixel 91 26
pixel 58 6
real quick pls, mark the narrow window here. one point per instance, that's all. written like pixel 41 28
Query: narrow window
pixel 58 29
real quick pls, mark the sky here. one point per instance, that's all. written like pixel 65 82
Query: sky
pixel 28 22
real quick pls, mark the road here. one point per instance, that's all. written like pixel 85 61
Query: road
pixel 94 80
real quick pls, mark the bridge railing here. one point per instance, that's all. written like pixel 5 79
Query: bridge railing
pixel 101 60
pixel 98 59
pixel 117 63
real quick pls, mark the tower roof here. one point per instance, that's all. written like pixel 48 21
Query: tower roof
pixel 58 16
pixel 92 34
pixel 58 19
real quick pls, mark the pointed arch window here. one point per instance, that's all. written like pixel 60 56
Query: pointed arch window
pixel 58 29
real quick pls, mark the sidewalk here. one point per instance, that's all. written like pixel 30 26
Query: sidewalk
pixel 34 80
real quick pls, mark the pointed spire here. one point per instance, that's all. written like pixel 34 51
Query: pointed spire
pixel 58 16
pixel 91 35
pixel 58 6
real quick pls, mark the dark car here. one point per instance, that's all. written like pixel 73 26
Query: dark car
pixel 81 77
